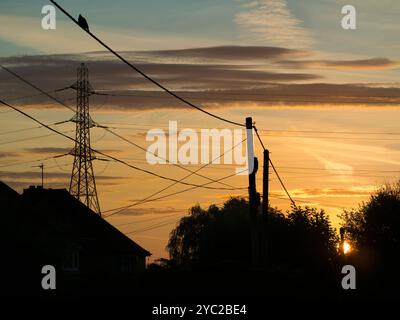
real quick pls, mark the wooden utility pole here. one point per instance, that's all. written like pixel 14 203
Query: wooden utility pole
pixel 42 168
pixel 265 182
pixel 265 214
pixel 254 202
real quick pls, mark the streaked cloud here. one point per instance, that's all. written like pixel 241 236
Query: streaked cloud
pixel 8 175
pixel 60 71
pixel 235 53
pixel 207 82
pixel 393 146
pixel 364 64
pixel 47 150
pixel 58 150
pixel 8 154
pixel 354 191
pixel 334 166
pixel 152 211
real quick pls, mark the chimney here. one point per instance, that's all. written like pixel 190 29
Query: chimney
pixel 33 193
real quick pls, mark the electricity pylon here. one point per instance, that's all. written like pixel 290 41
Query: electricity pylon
pixel 83 183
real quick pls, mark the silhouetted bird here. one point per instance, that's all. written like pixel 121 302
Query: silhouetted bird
pixel 83 23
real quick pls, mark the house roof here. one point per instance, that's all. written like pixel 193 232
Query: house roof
pixel 7 192
pixel 56 214
pixel 98 234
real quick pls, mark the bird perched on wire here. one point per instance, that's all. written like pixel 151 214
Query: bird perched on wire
pixel 83 23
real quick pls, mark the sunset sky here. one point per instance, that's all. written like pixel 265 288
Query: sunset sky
pixel 325 99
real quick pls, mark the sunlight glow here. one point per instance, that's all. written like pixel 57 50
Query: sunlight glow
pixel 346 247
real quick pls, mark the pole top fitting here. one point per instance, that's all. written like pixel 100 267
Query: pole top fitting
pixel 249 123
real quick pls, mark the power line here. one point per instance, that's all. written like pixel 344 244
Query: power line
pixel 108 156
pixel 39 94
pixel 164 159
pixel 6 111
pixel 338 175
pixel 259 139
pixel 227 92
pixel 305 202
pixel 162 87
pixel 104 169
pixel 168 215
pixel 117 135
pixel 169 195
pixel 171 185
pixel 32 161
pixel 32 138
pixel 282 184
pixel 267 98
pixel 152 227
pixel 332 132
pixel 271 136
pixel 283 134
pixel 314 202
pixel 243 195
pixel 147 220
pixel 62 165
pixel 37 88
pixel 19 130
pixel 101 137
pixel 144 74
pixel 273 167
pixel 164 177
pixel 143 126
pixel 340 138
pixel 340 170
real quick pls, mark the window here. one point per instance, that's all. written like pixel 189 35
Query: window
pixel 128 263
pixel 71 260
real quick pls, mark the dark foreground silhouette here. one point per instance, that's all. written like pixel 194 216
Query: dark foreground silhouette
pixel 210 252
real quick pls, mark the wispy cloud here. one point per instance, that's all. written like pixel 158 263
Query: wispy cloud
pixel 211 76
pixel 232 53
pixel 334 166
pixel 356 191
pixel 272 23
pixel 53 176
pixel 8 155
pixel 363 64
pixel 152 211
pixel 58 150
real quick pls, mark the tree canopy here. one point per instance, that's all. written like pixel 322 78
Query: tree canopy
pixel 375 225
pixel 302 236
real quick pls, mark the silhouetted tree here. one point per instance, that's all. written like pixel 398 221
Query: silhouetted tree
pixel 304 237
pixel 375 226
pixel 311 238
pixel 210 235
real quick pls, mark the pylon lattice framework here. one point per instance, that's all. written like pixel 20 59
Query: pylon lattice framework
pixel 83 183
